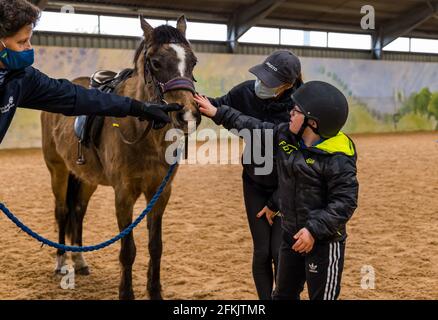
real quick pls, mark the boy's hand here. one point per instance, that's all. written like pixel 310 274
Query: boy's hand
pixel 205 106
pixel 305 241
pixel 270 215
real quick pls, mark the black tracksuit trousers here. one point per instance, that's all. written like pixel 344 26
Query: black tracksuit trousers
pixel 321 268
pixel 266 238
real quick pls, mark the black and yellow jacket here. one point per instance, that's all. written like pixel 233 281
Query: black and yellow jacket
pixel 276 111
pixel 317 186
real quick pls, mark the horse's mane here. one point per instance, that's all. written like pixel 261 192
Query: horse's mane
pixel 162 35
pixel 168 34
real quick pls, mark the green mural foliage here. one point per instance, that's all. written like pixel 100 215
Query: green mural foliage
pixel 421 109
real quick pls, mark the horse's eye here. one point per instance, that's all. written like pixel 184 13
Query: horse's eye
pixel 155 64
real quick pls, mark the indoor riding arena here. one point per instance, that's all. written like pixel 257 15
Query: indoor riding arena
pixel 390 79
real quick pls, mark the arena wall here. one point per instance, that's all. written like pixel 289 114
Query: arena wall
pixel 385 96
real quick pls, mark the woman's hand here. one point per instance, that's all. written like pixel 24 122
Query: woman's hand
pixel 304 241
pixel 205 107
pixel 270 215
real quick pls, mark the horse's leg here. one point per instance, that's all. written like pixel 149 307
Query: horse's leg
pixel 59 178
pixel 154 219
pixel 125 200
pixel 83 197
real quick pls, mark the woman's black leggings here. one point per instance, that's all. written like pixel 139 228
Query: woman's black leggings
pixel 266 239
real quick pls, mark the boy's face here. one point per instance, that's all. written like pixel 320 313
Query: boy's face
pixel 296 120
pixel 19 41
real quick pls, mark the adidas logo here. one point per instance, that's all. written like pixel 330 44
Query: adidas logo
pixel 310 161
pixel 312 268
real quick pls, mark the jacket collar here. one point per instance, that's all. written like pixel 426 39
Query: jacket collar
pixel 337 144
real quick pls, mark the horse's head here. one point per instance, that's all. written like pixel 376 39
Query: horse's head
pixel 166 60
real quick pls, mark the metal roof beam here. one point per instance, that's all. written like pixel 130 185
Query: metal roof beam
pixel 254 14
pixel 406 23
pixel 155 13
pixel 401 26
pixel 247 17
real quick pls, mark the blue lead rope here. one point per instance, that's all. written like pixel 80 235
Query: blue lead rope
pixel 102 245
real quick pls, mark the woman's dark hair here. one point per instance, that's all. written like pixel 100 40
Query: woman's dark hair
pixel 15 14
pixel 298 82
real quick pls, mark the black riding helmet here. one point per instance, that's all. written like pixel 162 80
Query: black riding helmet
pixel 323 103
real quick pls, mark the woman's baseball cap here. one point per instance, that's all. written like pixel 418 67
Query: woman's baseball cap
pixel 279 68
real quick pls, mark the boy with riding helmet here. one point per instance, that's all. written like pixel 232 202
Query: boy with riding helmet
pixel 268 99
pixel 317 187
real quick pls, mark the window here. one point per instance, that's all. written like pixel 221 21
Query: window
pixel 125 26
pixel 399 44
pixel 206 31
pixel 292 37
pixel 261 35
pixel 349 40
pixel 316 38
pixel 68 22
pixel 424 45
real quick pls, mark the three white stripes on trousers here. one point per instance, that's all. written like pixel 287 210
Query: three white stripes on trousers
pixel 332 272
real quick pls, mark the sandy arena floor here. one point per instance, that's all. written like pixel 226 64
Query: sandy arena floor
pixel 207 244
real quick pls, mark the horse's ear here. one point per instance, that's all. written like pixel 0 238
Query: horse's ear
pixel 146 27
pixel 181 24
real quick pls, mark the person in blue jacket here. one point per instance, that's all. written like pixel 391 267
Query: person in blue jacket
pixel 21 85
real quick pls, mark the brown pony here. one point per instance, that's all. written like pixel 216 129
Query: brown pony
pixel 131 169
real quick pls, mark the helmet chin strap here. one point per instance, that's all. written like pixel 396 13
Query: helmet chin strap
pixel 315 130
pixel 304 126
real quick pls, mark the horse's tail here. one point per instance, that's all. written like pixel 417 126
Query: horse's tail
pixel 72 198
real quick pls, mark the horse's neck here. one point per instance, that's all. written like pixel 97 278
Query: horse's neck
pixel 136 88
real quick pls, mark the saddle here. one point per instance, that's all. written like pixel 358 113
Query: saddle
pixel 88 128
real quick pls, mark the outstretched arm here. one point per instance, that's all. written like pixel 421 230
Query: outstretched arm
pixel 229 117
pixel 62 96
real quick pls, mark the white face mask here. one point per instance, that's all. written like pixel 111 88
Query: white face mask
pixel 263 92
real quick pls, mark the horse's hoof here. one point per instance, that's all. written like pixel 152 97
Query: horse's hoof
pixel 126 295
pixel 60 272
pixel 155 296
pixel 84 271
